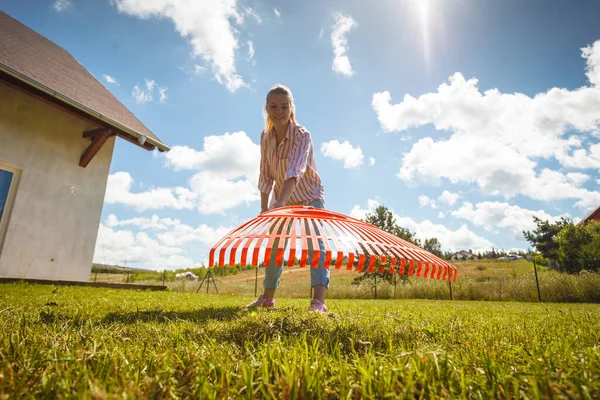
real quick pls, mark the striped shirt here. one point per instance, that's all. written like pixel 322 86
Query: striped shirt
pixel 293 158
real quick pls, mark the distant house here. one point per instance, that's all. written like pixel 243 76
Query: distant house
pixel 593 216
pixel 58 127
pixel 463 255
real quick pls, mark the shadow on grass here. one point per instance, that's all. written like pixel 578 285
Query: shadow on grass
pixel 200 315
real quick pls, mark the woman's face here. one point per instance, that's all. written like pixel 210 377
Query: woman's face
pixel 278 109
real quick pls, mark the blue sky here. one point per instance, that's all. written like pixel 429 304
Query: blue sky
pixel 464 117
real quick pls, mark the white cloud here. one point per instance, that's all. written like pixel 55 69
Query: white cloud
pixel 321 33
pixel 218 194
pixel 448 198
pixel 577 178
pixel 492 215
pixel 199 68
pixel 140 95
pixel 227 171
pixel 61 5
pixel 110 79
pixel 496 140
pixel 117 247
pixel 581 158
pixel 371 161
pixel 118 191
pixel 233 154
pixel 341 62
pixel 155 242
pixel 171 232
pixel 251 52
pixel 249 11
pixel 462 238
pixel 352 157
pixel 163 94
pixel 207 24
pixel 277 13
pixel 150 84
pixel 551 185
pixel 592 56
pixel 144 96
pixel 441 215
pixel 183 234
pixel 425 201
pixel 153 223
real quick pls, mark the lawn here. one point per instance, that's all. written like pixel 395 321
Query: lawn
pixel 82 342
pixel 497 280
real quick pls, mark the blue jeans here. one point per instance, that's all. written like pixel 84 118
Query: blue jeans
pixel 318 276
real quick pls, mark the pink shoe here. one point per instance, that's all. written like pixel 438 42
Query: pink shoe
pixel 318 306
pixel 262 302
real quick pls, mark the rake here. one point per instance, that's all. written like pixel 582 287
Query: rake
pixel 282 234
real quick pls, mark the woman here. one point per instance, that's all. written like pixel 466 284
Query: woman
pixel 287 160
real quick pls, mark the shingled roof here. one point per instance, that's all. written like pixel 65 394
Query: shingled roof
pixel 30 61
pixel 593 216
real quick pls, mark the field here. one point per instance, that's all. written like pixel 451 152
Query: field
pixel 497 280
pixel 80 342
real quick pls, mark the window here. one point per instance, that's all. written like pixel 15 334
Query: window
pixel 9 178
pixel 5 180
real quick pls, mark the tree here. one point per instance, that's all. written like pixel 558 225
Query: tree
pixel 543 238
pixel 579 247
pixel 433 246
pixel 384 220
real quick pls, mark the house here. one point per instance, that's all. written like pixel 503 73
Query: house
pixel 464 255
pixel 593 216
pixel 58 127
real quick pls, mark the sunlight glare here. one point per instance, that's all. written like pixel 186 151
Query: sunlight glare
pixel 423 10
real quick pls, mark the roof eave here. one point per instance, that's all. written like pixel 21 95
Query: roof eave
pixel 589 216
pixel 39 86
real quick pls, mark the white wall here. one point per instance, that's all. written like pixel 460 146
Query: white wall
pixel 52 229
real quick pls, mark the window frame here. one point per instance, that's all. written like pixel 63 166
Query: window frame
pixel 10 200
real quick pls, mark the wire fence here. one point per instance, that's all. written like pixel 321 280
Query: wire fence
pixel 535 283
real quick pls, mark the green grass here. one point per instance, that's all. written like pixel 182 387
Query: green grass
pixel 495 280
pixel 61 342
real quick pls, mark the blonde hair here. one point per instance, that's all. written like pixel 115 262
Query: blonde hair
pixel 279 89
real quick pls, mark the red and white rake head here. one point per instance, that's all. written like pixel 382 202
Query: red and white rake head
pixel 286 233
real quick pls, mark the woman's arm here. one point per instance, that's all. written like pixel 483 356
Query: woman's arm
pixel 297 165
pixel 286 191
pixel 265 181
pixel 264 202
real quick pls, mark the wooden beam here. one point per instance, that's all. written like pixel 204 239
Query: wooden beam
pixel 94 147
pixel 94 132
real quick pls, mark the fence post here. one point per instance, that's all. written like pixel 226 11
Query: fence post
pixel 256 282
pixel 537 282
pixel 164 276
pixel 375 275
pixel 96 276
pixel 450 285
